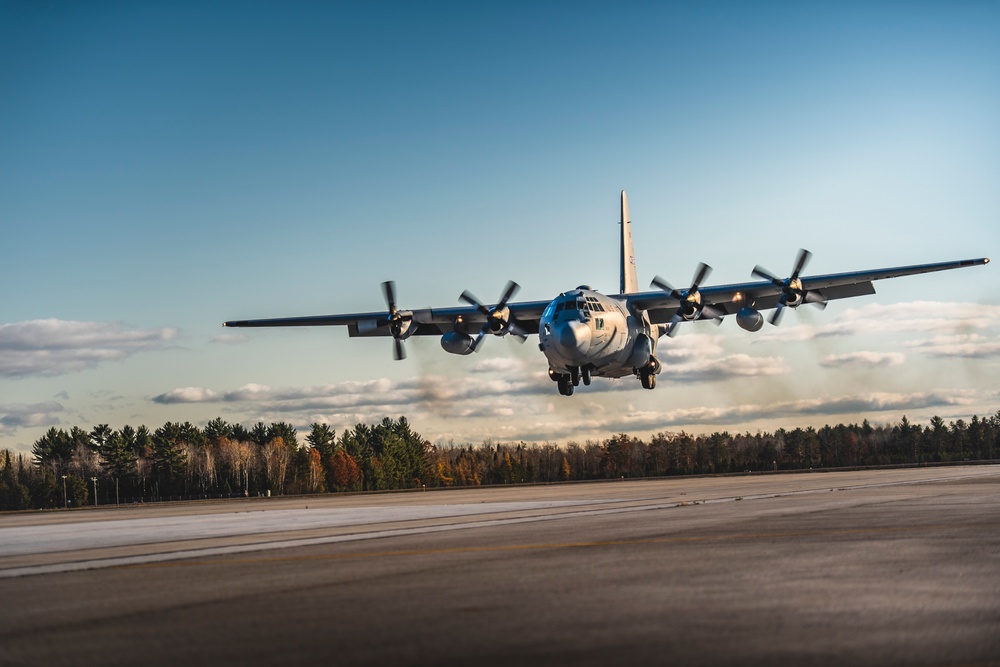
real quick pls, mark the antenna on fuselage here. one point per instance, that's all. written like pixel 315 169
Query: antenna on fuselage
pixel 629 283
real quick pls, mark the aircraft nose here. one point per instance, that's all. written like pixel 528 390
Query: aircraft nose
pixel 573 337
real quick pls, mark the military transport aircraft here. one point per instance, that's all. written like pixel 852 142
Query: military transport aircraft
pixel 586 334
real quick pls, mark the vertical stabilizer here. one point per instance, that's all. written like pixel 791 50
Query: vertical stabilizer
pixel 629 284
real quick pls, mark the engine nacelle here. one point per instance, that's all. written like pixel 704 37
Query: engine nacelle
pixel 457 342
pixel 749 319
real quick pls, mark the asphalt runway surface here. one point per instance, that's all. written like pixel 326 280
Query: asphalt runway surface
pixel 897 567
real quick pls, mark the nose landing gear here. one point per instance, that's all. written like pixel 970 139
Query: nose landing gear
pixel 567 381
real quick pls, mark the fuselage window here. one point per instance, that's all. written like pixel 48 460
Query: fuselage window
pixel 599 322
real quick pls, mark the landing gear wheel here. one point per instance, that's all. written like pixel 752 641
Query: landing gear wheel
pixel 574 374
pixel 565 385
pixel 648 381
pixel 585 376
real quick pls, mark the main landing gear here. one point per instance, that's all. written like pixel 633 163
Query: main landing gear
pixel 647 374
pixel 648 380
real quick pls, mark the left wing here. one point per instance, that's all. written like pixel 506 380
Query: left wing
pixel 664 305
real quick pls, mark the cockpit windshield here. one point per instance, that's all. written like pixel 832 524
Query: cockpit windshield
pixel 578 305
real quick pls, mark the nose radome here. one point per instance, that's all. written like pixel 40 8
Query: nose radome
pixel 574 336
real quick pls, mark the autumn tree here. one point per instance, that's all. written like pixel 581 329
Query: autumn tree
pixel 344 472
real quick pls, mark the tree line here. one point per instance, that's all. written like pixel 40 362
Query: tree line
pixel 181 461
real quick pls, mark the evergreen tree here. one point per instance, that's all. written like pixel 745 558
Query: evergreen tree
pixel 13 494
pixel 119 457
pixel 54 449
pixel 323 439
pixel 216 430
pixel 168 459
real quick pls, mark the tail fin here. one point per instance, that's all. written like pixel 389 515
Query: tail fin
pixel 629 283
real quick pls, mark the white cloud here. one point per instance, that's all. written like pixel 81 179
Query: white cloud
pixel 863 359
pixel 724 368
pixel 498 365
pixel 231 338
pixel 914 317
pixel 16 415
pixel 186 395
pixel 55 347
pixel 971 346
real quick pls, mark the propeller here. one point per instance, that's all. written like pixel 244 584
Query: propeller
pixel 498 317
pixel 691 307
pixel 791 287
pixel 398 321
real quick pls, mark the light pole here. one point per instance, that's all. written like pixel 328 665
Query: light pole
pixel 65 497
pixel 94 480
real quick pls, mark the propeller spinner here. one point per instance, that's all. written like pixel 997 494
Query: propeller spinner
pixel 691 306
pixel 498 318
pixel 792 294
pixel 399 322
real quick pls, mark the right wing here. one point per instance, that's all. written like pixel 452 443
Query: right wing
pixel 427 321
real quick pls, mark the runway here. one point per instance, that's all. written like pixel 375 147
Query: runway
pixel 871 568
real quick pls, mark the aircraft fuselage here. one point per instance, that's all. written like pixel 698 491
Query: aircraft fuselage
pixel 584 333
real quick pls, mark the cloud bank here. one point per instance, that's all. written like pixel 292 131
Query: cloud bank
pixel 929 317
pixel 863 360
pixel 17 415
pixel 56 347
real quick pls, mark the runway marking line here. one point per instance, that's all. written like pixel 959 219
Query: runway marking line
pixel 222 560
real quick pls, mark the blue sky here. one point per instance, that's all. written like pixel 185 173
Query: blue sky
pixel 167 166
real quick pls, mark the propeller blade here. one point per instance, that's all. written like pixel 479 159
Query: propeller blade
pixel 509 291
pixel 674 322
pixel 776 315
pixel 398 352
pixel 389 290
pixel 815 299
pixel 700 275
pixel 662 284
pixel 800 262
pixel 471 299
pixel 479 339
pixel 515 330
pixel 713 313
pixel 761 272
